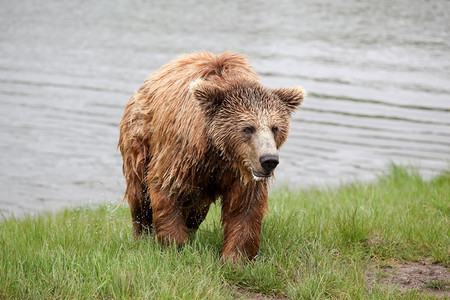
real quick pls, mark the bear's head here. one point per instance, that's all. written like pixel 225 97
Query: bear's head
pixel 247 122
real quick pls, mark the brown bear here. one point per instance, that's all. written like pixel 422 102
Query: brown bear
pixel 203 128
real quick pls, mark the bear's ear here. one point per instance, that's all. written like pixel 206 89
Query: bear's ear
pixel 207 94
pixel 292 97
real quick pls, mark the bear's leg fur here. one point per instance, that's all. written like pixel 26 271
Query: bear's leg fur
pixel 195 217
pixel 168 219
pixel 243 209
pixel 141 211
pixel 135 162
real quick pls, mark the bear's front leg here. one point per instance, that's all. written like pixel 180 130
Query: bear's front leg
pixel 243 209
pixel 168 219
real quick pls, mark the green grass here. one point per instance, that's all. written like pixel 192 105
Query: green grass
pixel 436 285
pixel 315 243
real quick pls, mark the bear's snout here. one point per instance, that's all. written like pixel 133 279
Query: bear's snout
pixel 269 162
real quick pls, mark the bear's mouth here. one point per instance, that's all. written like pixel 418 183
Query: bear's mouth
pixel 260 176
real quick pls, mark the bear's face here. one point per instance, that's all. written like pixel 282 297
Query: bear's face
pixel 247 122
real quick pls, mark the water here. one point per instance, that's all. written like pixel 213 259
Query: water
pixel 377 73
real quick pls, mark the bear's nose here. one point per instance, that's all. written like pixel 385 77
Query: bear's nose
pixel 269 162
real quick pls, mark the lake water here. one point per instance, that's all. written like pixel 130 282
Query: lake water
pixel 377 74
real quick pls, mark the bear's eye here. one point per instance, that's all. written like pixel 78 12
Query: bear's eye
pixel 249 130
pixel 274 129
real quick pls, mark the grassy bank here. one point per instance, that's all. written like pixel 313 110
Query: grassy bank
pixel 316 243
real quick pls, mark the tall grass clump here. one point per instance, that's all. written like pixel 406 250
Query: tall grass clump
pixel 315 243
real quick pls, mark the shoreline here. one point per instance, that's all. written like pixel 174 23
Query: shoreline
pixel 349 241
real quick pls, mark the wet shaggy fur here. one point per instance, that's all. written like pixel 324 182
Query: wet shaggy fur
pixel 194 133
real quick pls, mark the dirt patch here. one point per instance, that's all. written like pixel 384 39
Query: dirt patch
pixel 428 278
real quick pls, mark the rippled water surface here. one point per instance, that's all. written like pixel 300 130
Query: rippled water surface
pixel 377 73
